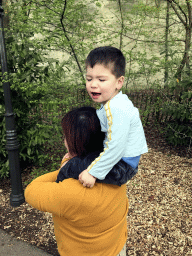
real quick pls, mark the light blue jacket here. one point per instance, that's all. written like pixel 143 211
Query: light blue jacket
pixel 124 137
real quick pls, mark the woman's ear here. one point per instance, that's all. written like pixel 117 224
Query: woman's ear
pixel 120 82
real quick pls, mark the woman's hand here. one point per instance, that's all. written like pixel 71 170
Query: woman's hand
pixel 87 179
pixel 66 156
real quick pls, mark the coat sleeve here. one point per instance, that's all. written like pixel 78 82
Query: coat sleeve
pixel 117 133
pixel 40 193
pixel 46 195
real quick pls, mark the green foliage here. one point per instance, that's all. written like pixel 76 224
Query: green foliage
pixel 41 91
pixel 179 107
pixel 170 108
pixel 28 88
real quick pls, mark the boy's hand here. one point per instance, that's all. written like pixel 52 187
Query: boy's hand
pixel 87 179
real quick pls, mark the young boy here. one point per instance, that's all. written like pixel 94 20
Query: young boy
pixel 119 119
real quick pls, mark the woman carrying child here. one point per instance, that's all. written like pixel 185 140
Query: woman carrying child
pixel 87 222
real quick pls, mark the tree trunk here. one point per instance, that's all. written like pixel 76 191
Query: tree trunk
pixel 166 43
pixel 185 16
pixel 185 60
pixel 6 17
pixel 122 24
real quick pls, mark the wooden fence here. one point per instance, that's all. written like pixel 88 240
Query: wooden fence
pixel 151 104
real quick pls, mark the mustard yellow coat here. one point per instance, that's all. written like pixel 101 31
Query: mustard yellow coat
pixel 87 221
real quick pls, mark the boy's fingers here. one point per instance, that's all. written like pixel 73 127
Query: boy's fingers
pixel 86 184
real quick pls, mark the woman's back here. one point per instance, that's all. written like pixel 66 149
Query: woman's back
pixel 87 221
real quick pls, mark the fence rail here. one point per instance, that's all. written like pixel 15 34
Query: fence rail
pixel 151 104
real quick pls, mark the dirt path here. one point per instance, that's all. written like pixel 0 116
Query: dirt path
pixel 160 217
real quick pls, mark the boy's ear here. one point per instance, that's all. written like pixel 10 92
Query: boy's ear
pixel 120 82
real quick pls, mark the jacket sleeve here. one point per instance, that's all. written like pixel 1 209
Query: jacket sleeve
pixel 71 169
pixel 46 195
pixel 41 192
pixel 117 133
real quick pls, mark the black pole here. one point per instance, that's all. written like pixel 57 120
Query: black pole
pixel 12 146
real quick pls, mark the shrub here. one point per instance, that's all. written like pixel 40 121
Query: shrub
pixel 41 93
pixel 179 107
pixel 28 88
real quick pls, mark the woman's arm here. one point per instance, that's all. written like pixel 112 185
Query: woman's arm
pixel 41 191
pixel 46 195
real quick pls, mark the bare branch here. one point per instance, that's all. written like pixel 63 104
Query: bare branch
pixel 68 39
pixel 122 24
pixel 189 12
pixel 45 5
pixel 178 15
pixel 143 40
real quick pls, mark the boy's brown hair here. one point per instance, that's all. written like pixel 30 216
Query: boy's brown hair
pixel 110 57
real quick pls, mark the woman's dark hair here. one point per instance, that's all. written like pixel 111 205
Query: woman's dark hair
pixel 108 56
pixel 82 131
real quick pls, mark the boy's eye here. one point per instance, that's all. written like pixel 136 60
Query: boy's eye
pixel 88 79
pixel 101 80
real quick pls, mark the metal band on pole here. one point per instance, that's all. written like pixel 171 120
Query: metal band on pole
pixel 12 146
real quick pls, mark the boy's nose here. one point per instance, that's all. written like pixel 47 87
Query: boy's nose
pixel 94 84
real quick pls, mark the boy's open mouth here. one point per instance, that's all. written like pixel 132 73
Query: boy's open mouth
pixel 95 94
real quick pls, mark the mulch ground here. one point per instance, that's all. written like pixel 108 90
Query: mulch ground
pixel 160 213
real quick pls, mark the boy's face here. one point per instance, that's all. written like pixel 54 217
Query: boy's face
pixel 101 84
